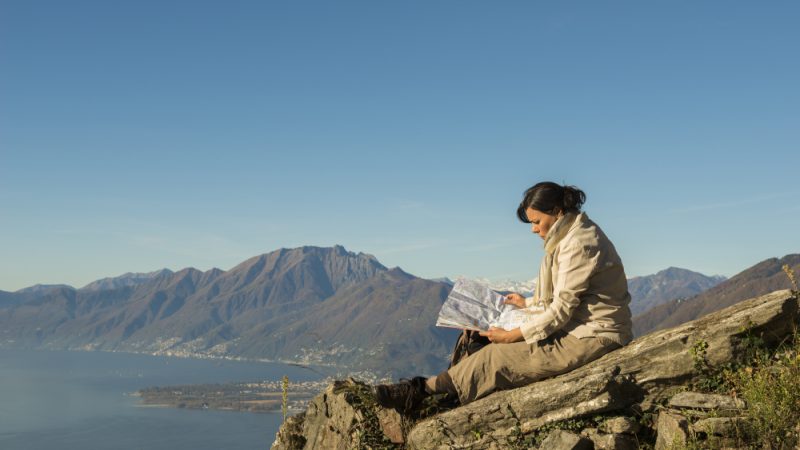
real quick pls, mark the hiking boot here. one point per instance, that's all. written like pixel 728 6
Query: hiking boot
pixel 404 396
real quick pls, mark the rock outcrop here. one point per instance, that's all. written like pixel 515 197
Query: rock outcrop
pixel 635 380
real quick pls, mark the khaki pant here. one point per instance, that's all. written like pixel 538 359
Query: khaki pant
pixel 505 366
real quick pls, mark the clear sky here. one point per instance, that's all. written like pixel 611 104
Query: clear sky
pixel 137 135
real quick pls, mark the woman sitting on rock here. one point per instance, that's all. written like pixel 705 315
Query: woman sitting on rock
pixel 583 290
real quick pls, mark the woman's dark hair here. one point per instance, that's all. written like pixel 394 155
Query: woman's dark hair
pixel 551 198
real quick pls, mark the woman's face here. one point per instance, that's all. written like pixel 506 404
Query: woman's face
pixel 541 222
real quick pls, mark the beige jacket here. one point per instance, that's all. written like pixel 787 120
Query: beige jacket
pixel 582 285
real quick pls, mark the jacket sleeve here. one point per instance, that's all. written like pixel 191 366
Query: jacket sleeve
pixel 575 266
pixel 531 301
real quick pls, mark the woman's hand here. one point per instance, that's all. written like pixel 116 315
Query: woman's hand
pixel 515 299
pixel 501 336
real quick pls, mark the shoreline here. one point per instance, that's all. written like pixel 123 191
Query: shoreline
pixel 342 372
pixel 261 397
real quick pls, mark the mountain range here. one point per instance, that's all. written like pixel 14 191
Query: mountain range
pixel 760 279
pixel 669 284
pixel 127 279
pixel 307 305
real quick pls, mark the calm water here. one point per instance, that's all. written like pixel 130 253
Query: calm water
pixel 77 400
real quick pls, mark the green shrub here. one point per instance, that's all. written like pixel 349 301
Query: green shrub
pixel 771 389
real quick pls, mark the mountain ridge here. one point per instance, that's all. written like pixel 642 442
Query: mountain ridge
pixel 763 277
pixel 669 284
pixel 259 309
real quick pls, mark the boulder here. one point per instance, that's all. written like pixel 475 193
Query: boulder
pixel 504 415
pixel 672 429
pixel 619 425
pixel 610 441
pixel 721 426
pixel 344 416
pixel 391 423
pixel 564 440
pixel 697 400
pixel 615 442
pixel 290 435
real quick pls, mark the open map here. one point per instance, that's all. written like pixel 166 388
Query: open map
pixel 474 306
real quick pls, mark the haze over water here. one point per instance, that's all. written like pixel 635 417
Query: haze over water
pixel 79 400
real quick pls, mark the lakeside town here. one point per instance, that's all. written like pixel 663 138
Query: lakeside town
pixel 259 397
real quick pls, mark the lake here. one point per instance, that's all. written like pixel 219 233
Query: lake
pixel 79 400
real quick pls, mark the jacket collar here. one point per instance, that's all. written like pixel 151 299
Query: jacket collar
pixel 559 230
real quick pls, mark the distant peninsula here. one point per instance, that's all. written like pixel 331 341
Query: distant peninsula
pixel 257 397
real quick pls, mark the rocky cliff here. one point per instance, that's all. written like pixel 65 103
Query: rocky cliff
pixel 639 395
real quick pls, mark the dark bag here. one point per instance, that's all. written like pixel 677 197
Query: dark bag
pixel 468 342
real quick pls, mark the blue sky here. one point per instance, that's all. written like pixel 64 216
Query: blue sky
pixel 150 134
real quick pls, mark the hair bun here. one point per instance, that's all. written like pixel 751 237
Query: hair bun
pixel 573 198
